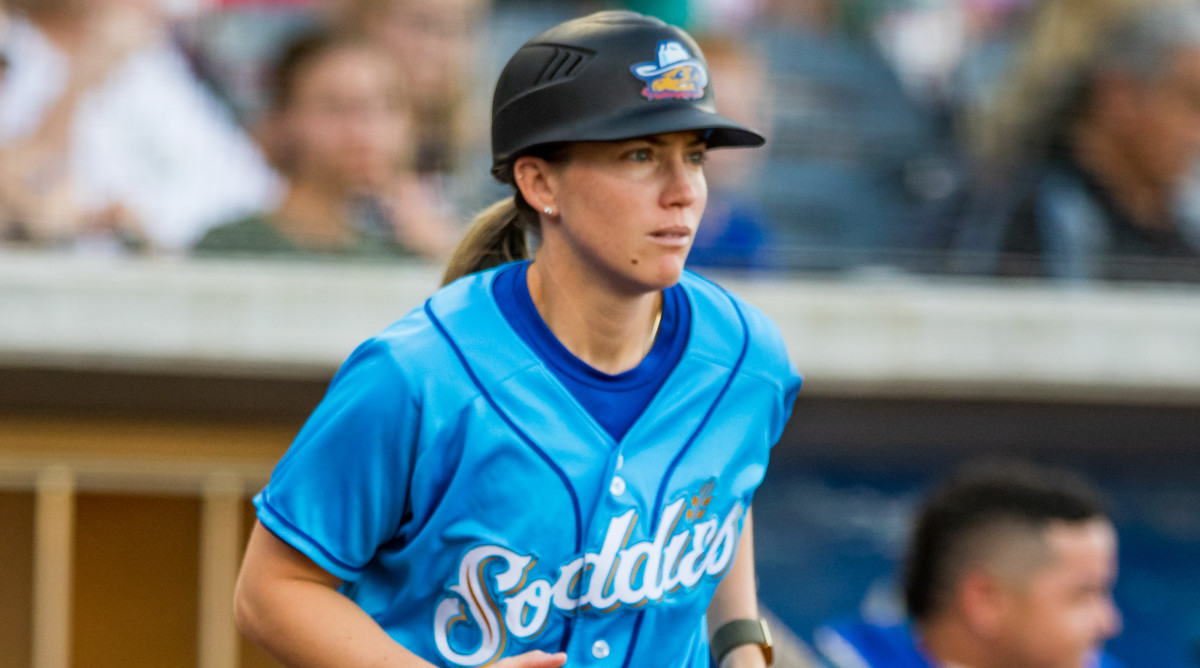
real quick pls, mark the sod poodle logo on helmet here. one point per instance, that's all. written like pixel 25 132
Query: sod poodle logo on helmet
pixel 675 75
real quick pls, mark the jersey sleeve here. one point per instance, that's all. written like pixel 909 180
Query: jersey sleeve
pixel 769 360
pixel 342 488
pixel 791 387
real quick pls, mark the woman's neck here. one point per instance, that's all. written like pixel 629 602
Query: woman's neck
pixel 314 216
pixel 609 330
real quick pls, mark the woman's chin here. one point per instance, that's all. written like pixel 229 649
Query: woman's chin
pixel 664 272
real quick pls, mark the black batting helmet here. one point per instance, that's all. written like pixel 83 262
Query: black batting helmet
pixel 611 75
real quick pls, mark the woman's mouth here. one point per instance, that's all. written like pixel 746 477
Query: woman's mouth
pixel 678 235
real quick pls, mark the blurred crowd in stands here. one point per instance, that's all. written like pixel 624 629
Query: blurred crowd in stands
pixel 1056 138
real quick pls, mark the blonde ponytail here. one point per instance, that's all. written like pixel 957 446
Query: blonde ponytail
pixel 495 236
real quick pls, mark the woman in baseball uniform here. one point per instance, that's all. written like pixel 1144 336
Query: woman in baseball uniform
pixel 552 460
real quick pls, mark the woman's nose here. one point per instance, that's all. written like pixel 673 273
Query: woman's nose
pixel 684 183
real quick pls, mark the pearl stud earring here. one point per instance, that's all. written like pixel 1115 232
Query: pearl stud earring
pixel 549 211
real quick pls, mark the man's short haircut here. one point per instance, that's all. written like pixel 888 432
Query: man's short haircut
pixel 983 510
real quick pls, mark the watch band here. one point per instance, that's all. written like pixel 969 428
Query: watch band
pixel 740 632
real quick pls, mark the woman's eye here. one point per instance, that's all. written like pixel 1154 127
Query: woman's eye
pixel 698 157
pixel 638 155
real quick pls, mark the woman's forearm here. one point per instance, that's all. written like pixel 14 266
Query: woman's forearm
pixel 736 597
pixel 290 607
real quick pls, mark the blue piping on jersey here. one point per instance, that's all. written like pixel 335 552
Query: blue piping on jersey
pixel 662 487
pixel 278 516
pixel 570 620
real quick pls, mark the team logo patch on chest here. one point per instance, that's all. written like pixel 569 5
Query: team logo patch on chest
pixel 674 75
pixel 494 598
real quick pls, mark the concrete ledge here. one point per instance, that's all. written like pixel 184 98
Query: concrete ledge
pixel 890 336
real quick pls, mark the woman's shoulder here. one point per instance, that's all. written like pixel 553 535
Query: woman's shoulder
pixel 419 341
pixel 413 342
pixel 730 323
pixel 712 300
pixel 406 361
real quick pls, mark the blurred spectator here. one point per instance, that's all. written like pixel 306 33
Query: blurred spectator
pixel 1009 566
pixel 435 46
pixel 1094 143
pixel 735 231
pixel 107 139
pixel 232 44
pixel 950 56
pixel 853 158
pixel 818 16
pixel 339 130
pixel 992 30
pixel 726 17
pixel 947 53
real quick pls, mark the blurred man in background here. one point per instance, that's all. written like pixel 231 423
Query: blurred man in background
pixel 1008 567
pixel 1097 134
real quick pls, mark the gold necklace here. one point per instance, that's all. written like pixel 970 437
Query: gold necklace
pixel 654 330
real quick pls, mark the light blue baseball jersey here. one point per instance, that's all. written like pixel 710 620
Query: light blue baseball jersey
pixel 475 510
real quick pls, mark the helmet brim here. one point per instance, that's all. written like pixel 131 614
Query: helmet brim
pixel 719 131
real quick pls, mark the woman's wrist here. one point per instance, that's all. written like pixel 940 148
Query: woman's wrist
pixel 744 656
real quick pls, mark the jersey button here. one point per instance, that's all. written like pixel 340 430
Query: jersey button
pixel 600 649
pixel 618 486
pixel 620 461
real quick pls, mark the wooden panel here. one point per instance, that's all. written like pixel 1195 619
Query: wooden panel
pixel 135 581
pixel 16 577
pixel 53 567
pixel 220 549
pixel 79 391
pixel 188 440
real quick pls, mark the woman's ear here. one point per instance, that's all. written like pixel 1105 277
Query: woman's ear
pixel 537 181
